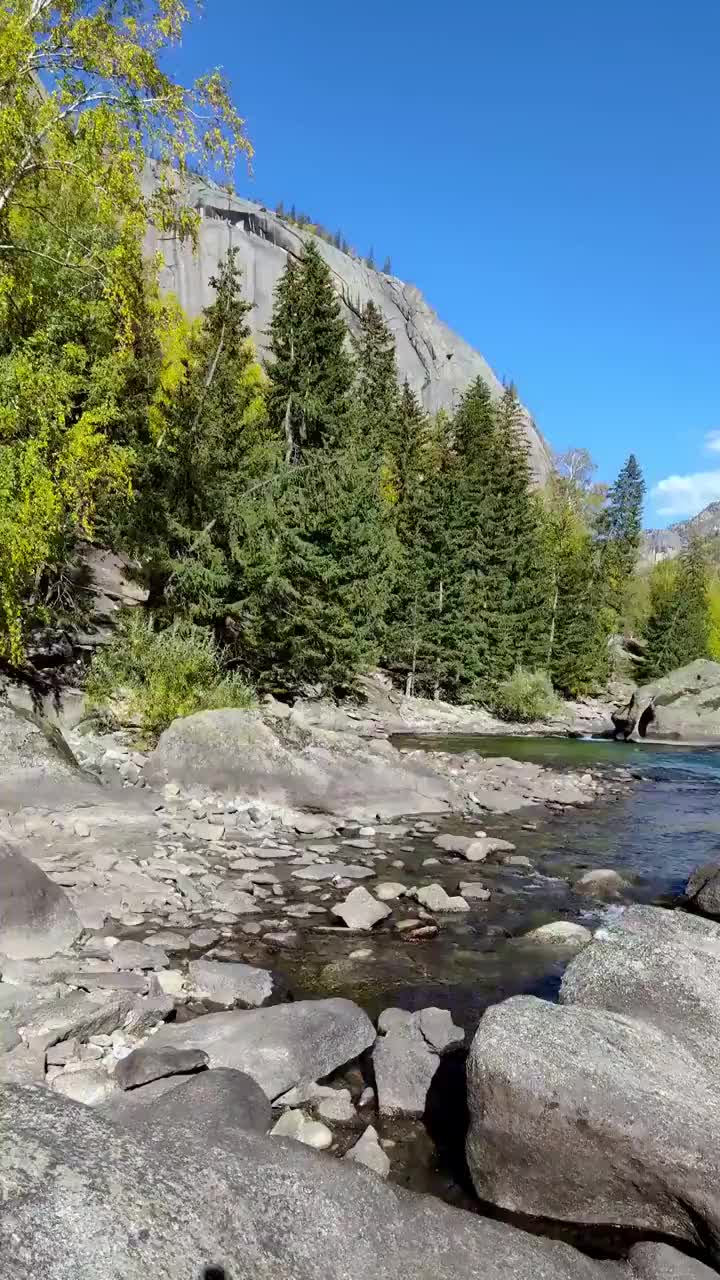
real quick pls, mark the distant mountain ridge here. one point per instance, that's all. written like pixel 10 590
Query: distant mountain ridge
pixel 437 363
pixel 664 544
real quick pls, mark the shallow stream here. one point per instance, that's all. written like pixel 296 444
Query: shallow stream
pixel 653 831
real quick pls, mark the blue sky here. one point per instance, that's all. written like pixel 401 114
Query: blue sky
pixel 547 174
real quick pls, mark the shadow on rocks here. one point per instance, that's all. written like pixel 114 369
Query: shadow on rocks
pixel 446 1118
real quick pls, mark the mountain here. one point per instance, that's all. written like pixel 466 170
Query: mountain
pixel 438 364
pixel 663 544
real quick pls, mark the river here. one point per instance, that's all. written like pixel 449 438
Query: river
pixel 653 832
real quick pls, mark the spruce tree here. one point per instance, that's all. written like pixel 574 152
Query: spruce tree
pixel 216 443
pixel 316 557
pixel 377 399
pixel 310 367
pixel 578 654
pixel 387 266
pixel 677 630
pixel 620 527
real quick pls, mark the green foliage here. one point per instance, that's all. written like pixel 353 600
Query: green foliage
pixel 579 622
pixel 215 442
pixel 310 367
pixel 315 554
pixel 525 696
pixel 79 351
pixel 162 674
pixel 678 626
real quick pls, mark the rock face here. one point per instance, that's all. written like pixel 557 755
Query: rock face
pixel 684 705
pixel 36 918
pixel 281 1046
pixel 437 363
pixel 78 1194
pixel 604 1110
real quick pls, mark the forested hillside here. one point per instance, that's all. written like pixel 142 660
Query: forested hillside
pixel 297 524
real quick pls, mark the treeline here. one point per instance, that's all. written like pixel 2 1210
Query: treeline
pixel 336 238
pixel 310 518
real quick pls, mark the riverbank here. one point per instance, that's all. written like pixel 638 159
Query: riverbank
pixel 189 901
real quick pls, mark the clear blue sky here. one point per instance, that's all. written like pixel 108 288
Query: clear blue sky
pixel 548 175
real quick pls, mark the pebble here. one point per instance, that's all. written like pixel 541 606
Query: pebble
pixel 363 953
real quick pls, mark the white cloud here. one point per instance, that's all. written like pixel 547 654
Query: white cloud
pixel 712 441
pixel 681 496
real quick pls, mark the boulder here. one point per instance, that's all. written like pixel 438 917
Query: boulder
pixel 682 705
pixel 281 1046
pixel 651 966
pixel 36 917
pixel 405 1066
pixel 209 1107
pixel 138 955
pixel 31 748
pixel 77 1015
pixel 439 1030
pixel 560 933
pixel 360 910
pixel 229 983
pixel 594 1118
pixel 82 1197
pixel 91 1086
pixel 603 883
pixel 703 890
pixel 235 752
pixel 150 1063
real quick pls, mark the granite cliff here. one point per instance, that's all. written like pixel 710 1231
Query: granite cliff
pixel 438 364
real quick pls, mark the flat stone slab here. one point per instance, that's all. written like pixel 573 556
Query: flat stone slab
pixel 331 870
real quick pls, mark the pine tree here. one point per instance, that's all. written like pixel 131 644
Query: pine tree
pixel 370 260
pixel 513 594
pixel 377 399
pixel 387 266
pixel 677 630
pixel 280 209
pixel 578 632
pixel 310 367
pixel 620 527
pixel 316 559
pixel 216 443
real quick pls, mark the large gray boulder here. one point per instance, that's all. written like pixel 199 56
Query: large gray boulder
pixel 83 1198
pixel 655 966
pixel 31 748
pixel 436 361
pixel 683 705
pixel 36 917
pixel 210 1107
pixel 703 890
pixel 590 1117
pixel 235 752
pixel 279 1047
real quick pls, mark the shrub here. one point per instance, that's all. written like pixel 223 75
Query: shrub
pixel 163 674
pixel 525 695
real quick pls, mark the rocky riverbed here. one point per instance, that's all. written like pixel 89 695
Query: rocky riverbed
pixel 280 927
